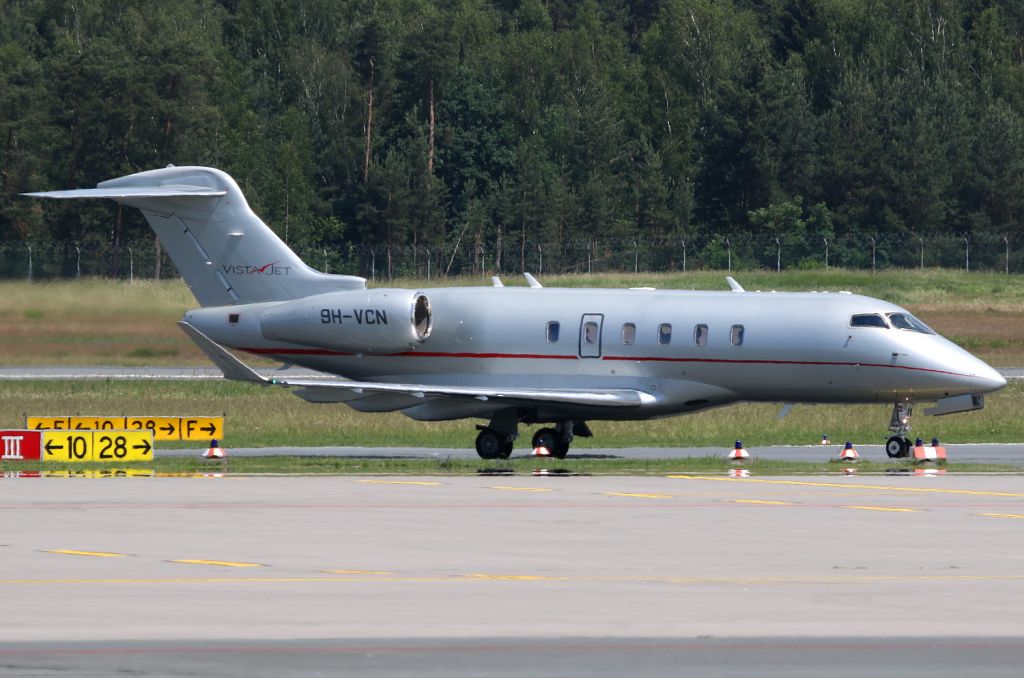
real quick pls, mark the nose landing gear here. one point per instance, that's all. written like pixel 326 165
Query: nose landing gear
pixel 898 446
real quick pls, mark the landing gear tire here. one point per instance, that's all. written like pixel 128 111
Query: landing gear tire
pixel 506 450
pixel 489 445
pixel 549 439
pixel 897 447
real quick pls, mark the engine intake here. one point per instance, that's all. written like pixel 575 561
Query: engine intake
pixel 358 321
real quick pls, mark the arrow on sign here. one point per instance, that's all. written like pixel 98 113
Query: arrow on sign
pixel 169 429
pixel 209 428
pixel 50 447
pixel 145 447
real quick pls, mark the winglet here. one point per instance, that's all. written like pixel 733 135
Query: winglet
pixel 496 281
pixel 232 367
pixel 733 285
pixel 533 281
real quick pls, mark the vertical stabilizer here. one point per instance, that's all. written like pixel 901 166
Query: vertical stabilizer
pixel 225 253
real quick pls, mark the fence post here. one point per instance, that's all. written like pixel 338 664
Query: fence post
pixel 636 258
pixel 967 253
pixel 778 255
pixel 428 262
pixel 873 243
pixel 684 254
pixel 78 263
pixel 29 263
pixel 540 260
pixel 826 252
pixel 728 249
pixel 1006 241
pixel 131 266
pixel 921 238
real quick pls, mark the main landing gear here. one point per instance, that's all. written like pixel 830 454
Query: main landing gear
pixel 495 441
pixel 899 423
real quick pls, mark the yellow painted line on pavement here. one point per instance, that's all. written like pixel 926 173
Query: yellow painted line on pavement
pixel 637 494
pixel 374 572
pixel 397 482
pixel 219 563
pixel 513 577
pixel 94 554
pixel 509 488
pixel 1018 516
pixel 891 509
pixel 847 486
pixel 483 578
pixel 766 502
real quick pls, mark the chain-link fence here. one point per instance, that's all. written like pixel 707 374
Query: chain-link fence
pixel 468 257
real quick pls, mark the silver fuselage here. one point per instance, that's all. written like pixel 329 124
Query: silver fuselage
pixel 796 347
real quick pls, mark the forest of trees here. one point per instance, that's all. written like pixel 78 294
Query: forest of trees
pixel 470 136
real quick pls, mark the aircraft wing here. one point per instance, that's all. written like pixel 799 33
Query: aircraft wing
pixel 386 396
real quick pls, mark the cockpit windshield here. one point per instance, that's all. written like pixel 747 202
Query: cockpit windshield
pixel 868 320
pixel 905 321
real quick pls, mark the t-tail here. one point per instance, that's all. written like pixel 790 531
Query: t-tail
pixel 225 253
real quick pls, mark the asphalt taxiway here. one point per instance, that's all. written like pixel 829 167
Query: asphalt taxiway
pixel 705 575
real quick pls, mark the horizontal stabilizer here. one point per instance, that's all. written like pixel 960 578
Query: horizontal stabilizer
pixel 134 192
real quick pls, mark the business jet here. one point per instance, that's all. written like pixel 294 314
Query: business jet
pixel 531 355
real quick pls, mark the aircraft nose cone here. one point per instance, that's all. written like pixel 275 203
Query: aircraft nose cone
pixel 987 379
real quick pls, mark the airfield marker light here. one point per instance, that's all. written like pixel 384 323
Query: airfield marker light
pixel 215 451
pixel 848 453
pixel 738 453
pixel 738 473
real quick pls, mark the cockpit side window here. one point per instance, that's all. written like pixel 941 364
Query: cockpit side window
pixel 905 321
pixel 868 320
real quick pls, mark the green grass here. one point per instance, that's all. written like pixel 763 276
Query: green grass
pixel 265 417
pixel 472 467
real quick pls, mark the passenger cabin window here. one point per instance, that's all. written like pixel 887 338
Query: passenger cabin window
pixel 905 321
pixel 868 320
pixel 700 335
pixel 589 333
pixel 628 333
pixel 736 335
pixel 664 334
pixel 233 318
pixel 553 331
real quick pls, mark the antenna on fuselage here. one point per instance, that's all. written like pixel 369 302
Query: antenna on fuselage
pixel 533 281
pixel 735 286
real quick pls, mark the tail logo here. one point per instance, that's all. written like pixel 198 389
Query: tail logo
pixel 248 269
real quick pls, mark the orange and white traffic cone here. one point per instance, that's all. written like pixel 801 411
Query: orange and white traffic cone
pixel 541 451
pixel 933 452
pixel 738 453
pixel 215 451
pixel 825 440
pixel 848 453
pixel 738 473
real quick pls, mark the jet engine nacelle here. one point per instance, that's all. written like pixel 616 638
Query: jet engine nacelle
pixel 355 321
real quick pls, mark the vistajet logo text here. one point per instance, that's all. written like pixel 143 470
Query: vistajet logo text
pixel 247 269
